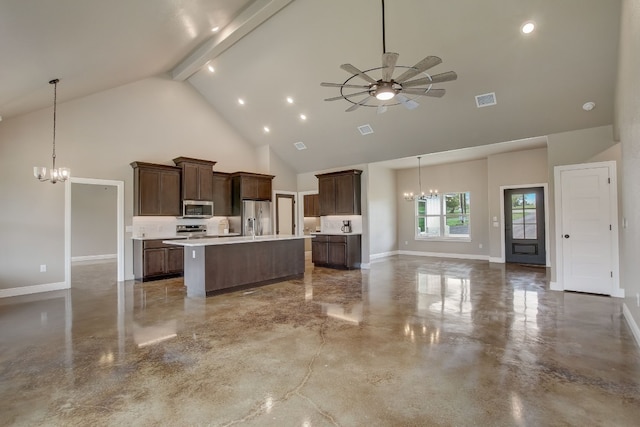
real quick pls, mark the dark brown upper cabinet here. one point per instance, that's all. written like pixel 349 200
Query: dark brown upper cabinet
pixel 311 205
pixel 156 189
pixel 251 186
pixel 339 192
pixel 197 178
pixel 222 194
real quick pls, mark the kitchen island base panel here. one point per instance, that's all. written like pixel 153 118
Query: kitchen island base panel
pixel 213 268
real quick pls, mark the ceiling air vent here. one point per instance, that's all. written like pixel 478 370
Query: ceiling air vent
pixel 486 99
pixel 365 129
pixel 300 145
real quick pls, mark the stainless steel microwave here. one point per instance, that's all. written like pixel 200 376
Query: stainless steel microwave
pixel 197 209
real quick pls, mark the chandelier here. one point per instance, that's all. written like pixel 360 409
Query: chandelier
pixel 410 197
pixel 55 174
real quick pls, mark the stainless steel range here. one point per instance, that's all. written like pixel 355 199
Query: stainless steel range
pixel 191 231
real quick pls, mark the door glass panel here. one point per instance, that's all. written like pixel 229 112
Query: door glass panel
pixel 530 216
pixel 530 232
pixel 530 201
pixel 517 217
pixel 517 201
pixel 517 231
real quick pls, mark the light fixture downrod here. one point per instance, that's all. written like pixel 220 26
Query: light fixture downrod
pixel 61 174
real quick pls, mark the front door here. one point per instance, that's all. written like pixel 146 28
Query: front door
pixel 524 226
pixel 586 230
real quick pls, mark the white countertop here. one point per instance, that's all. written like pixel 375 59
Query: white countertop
pixel 317 233
pixel 232 240
pixel 213 236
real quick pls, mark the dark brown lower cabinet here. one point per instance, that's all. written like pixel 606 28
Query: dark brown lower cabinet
pixel 154 260
pixel 337 251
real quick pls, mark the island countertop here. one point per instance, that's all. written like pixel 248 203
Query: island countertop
pixel 215 241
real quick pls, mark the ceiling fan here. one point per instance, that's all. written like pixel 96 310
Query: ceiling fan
pixel 387 90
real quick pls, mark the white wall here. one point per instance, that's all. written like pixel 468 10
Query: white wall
pixel 152 120
pixel 93 220
pixel 382 210
pixel 628 127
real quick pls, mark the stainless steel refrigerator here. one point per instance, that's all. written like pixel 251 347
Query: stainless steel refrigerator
pixel 256 218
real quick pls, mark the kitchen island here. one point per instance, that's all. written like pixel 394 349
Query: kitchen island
pixel 218 264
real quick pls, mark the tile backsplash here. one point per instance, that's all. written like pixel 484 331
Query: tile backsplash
pixel 165 226
pixel 333 224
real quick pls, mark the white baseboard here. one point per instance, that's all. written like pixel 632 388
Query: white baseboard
pixel 445 255
pixel 365 266
pixel 382 255
pixel 555 286
pixel 631 322
pixel 618 293
pixel 94 257
pixel 33 289
pixel 498 260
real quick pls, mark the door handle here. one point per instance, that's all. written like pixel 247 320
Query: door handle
pixel 566 236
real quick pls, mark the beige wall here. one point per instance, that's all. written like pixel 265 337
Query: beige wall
pixel 453 177
pixel 153 120
pixel 93 220
pixel 382 210
pixel 628 128
pixel 511 169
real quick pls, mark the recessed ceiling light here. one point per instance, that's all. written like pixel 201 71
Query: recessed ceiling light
pixel 289 100
pixel 528 27
pixel 303 117
pixel 240 101
pixel 215 29
pixel 266 129
pixel 588 106
pixel 211 69
pixel 300 145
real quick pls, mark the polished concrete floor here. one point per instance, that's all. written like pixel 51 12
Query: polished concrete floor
pixel 411 342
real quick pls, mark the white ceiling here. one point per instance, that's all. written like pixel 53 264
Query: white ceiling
pixel 540 80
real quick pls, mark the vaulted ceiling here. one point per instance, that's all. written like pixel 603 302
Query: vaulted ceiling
pixel 268 50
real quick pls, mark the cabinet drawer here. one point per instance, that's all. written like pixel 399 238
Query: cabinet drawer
pixel 338 239
pixel 320 239
pixel 155 244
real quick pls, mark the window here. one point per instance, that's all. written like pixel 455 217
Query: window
pixel 447 216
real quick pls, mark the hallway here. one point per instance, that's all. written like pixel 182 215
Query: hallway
pixel 412 341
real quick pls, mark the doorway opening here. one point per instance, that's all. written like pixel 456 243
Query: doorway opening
pixel 285 214
pixel 76 230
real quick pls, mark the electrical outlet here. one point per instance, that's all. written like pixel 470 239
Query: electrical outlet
pixel 193 254
pixel 43 268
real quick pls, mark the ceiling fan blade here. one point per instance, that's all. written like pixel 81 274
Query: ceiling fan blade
pixel 353 70
pixel 355 106
pixel 349 95
pixel 436 93
pixel 438 78
pixel 424 65
pixel 382 108
pixel 389 60
pixel 344 85
pixel 407 103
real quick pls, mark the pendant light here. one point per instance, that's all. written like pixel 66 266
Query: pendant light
pixel 410 197
pixel 55 174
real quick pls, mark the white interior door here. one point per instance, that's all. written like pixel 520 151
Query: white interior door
pixel 586 230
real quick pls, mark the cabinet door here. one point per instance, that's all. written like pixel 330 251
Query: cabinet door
pixel 221 194
pixel 327 196
pixel 190 181
pixel 248 187
pixel 319 252
pixel 308 205
pixel 263 189
pixel 154 262
pixel 344 190
pixel 205 183
pixel 149 192
pixel 169 194
pixel 338 254
pixel 175 260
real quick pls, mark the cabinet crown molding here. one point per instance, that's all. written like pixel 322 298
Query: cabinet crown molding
pixel 345 172
pixel 180 160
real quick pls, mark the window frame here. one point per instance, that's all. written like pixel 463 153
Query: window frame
pixel 442 216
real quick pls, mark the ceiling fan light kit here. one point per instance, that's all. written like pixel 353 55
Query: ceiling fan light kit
pixel 388 91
